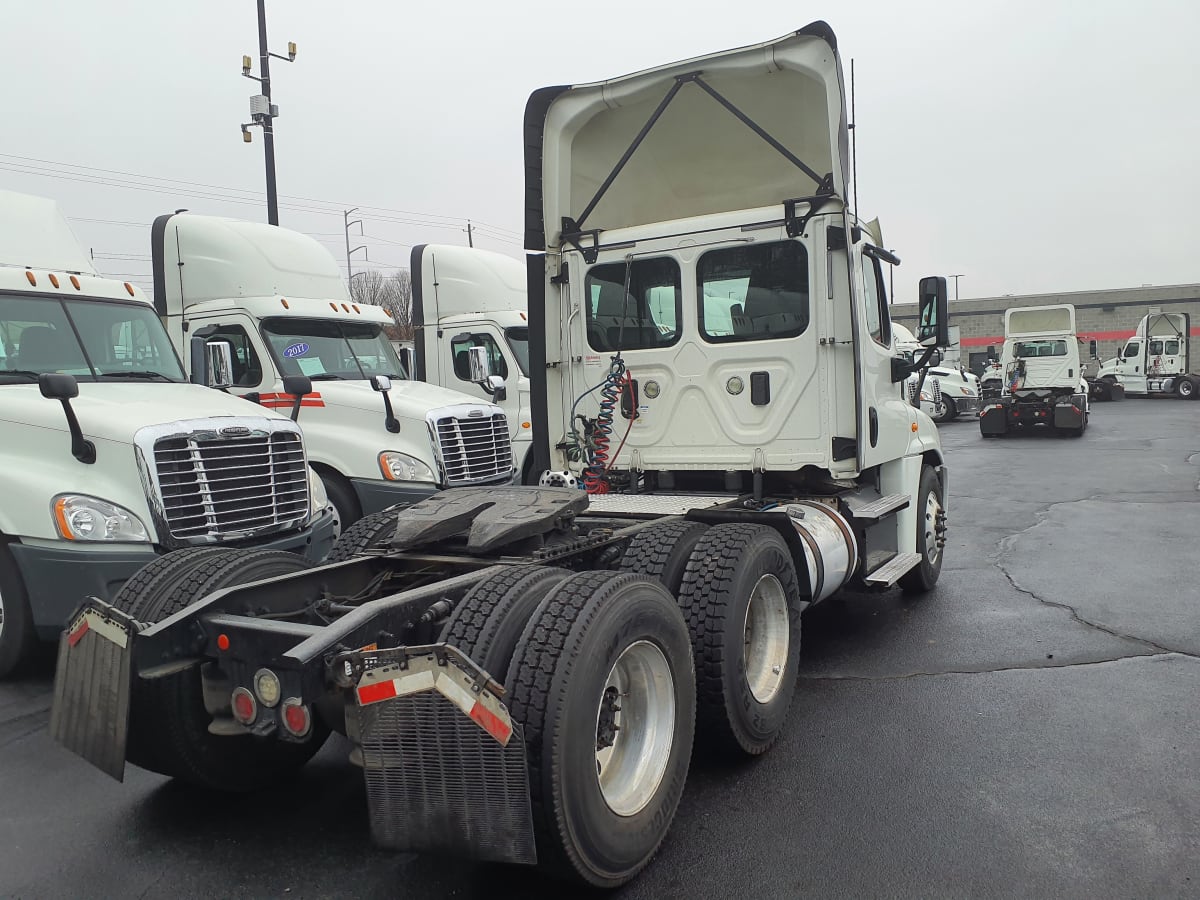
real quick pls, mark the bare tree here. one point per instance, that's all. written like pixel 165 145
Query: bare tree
pixel 368 286
pixel 392 292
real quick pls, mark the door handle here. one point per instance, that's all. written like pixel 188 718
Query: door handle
pixel 873 418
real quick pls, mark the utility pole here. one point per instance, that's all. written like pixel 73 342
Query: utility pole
pixel 470 238
pixel 262 111
pixel 955 277
pixel 363 247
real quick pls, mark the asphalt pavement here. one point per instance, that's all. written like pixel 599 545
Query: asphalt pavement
pixel 1029 729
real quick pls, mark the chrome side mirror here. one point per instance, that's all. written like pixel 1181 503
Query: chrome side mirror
pixel 477 358
pixel 218 364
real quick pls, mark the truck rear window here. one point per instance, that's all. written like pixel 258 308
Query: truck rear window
pixel 645 317
pixel 753 293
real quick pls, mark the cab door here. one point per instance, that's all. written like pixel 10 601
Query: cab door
pixel 886 416
pixel 456 370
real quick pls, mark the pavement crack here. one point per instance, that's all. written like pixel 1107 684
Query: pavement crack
pixel 989 671
pixel 1040 517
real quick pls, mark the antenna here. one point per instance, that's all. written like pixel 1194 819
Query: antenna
pixel 853 140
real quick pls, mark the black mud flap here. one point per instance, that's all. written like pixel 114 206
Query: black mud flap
pixel 90 715
pixel 1068 416
pixel 993 420
pixel 444 763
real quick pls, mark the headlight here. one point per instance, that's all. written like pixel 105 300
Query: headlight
pixel 402 467
pixel 79 517
pixel 318 499
pixel 926 397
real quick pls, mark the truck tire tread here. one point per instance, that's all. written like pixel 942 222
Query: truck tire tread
pixel 18 639
pixel 549 653
pixel 662 551
pixel 711 604
pixel 367 533
pixel 489 621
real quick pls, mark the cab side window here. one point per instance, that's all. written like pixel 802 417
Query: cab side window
pixel 879 322
pixel 247 370
pixel 1131 350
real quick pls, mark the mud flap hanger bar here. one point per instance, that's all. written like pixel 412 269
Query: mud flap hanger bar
pixel 572 229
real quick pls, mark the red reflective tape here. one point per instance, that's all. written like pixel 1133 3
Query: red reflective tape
pixel 491 723
pixel 288 404
pixel 74 637
pixel 373 693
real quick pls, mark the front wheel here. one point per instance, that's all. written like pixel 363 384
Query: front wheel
pixel 944 410
pixel 931 531
pixel 17 637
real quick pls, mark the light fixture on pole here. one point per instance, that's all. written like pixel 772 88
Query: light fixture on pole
pixel 262 111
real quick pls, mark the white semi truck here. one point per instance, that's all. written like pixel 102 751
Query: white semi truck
pixel 108 456
pixel 946 392
pixel 1042 382
pixel 375 437
pixel 465 298
pixel 1156 361
pixel 523 671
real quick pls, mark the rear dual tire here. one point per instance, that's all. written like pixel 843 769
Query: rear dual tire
pixel 168 722
pixel 603 685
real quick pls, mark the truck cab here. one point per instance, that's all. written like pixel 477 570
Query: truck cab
pixel 110 456
pixel 375 436
pixel 465 298
pixel 946 392
pixel 1155 360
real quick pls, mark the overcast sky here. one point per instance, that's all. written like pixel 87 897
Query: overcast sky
pixel 1029 146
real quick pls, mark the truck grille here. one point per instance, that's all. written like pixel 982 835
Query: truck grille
pixel 473 449
pixel 216 486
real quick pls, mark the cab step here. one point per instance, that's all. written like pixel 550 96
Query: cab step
pixel 889 573
pixel 877 509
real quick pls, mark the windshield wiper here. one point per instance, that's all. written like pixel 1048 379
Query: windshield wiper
pixel 20 373
pixel 327 376
pixel 138 374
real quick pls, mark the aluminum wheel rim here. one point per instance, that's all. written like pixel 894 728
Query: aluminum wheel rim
pixel 932 508
pixel 638 702
pixel 1 613
pixel 768 637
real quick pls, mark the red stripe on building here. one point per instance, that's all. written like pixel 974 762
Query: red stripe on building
pixel 1087 336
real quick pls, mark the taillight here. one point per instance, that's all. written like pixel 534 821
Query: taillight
pixel 245 710
pixel 296 717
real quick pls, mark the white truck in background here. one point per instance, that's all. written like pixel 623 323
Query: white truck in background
pixel 464 298
pixel 1042 380
pixel 109 457
pixel 946 391
pixel 1155 361
pixel 374 436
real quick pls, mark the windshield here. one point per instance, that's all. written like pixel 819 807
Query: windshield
pixel 328 349
pixel 94 340
pixel 518 339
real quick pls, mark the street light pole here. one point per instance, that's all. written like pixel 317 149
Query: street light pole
pixel 263 111
pixel 264 68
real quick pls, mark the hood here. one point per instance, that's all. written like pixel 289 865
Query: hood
pixel 410 399
pixel 696 155
pixel 113 412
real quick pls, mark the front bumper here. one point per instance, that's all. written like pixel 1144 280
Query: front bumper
pixel 376 494
pixel 59 576
pixel 966 404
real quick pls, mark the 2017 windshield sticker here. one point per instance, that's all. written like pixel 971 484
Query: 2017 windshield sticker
pixel 295 350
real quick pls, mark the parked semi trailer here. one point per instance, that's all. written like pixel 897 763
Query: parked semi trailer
pixel 1042 383
pixel 375 437
pixel 524 671
pixel 109 457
